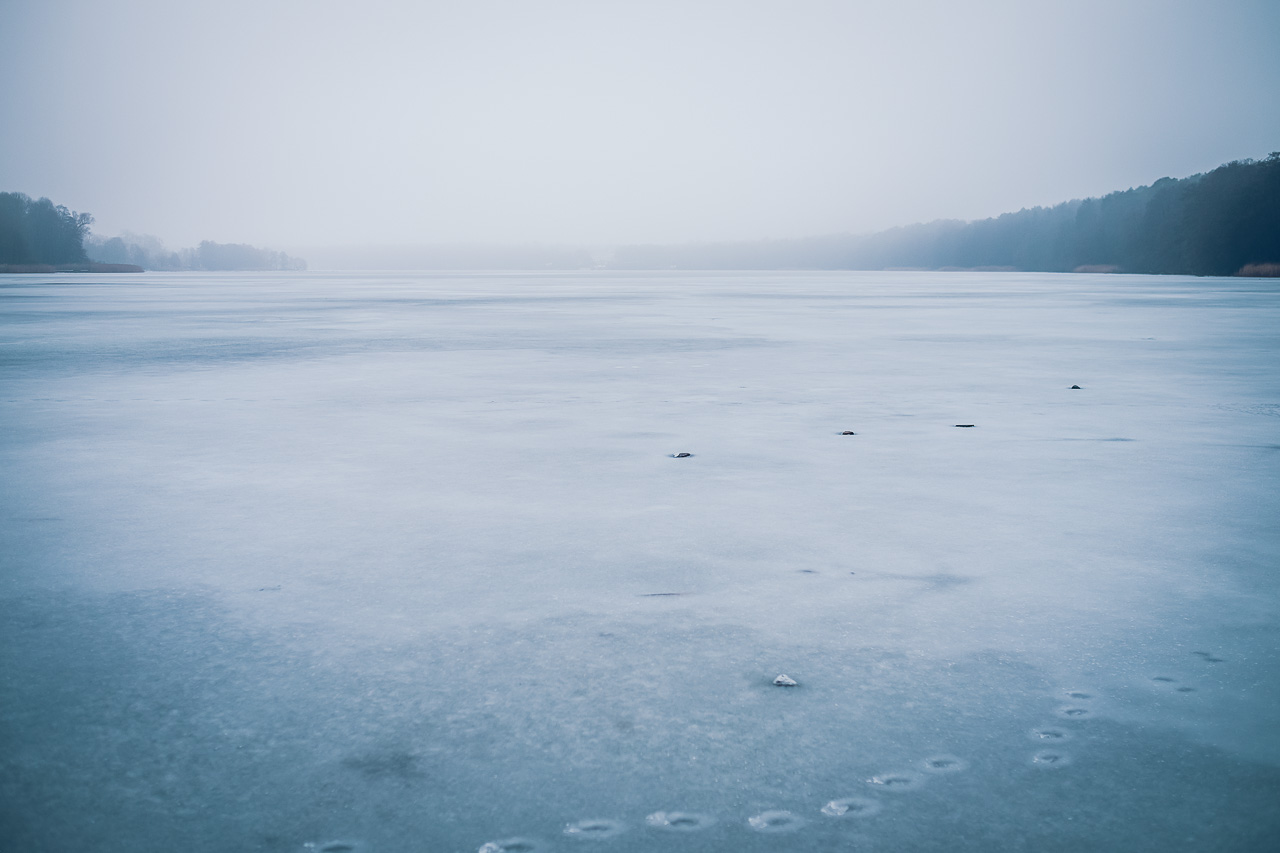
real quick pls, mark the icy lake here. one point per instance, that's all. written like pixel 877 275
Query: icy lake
pixel 386 563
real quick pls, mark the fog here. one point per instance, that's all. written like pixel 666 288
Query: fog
pixel 301 125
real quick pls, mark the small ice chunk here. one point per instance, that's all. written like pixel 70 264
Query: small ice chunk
pixel 785 681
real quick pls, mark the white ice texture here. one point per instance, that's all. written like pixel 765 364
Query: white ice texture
pixel 406 560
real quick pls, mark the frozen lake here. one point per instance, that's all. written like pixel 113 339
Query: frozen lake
pixel 403 562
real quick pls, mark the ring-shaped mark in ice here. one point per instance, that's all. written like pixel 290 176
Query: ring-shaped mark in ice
pixel 1052 734
pixel 512 845
pixel 852 807
pixel 593 829
pixel 679 821
pixel 1074 712
pixel 944 763
pixel 1050 759
pixel 775 821
pixel 898 781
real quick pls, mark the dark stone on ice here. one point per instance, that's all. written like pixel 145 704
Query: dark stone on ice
pixel 848 432
pixel 680 455
pixel 1075 388
pixel 964 425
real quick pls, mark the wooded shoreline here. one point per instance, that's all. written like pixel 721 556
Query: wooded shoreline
pixel 89 267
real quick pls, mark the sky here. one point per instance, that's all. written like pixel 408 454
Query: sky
pixel 303 124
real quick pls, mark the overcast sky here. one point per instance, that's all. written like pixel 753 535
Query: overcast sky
pixel 298 124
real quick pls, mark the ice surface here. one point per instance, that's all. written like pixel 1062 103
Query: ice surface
pixel 406 560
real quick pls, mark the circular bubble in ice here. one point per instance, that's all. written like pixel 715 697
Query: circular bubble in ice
pixel 899 781
pixel 940 764
pixel 1050 758
pixel 851 807
pixel 679 821
pixel 512 845
pixel 775 821
pixel 1052 734
pixel 1073 712
pixel 595 829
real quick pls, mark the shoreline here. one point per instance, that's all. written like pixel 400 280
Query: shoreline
pixel 69 268
pixel 48 268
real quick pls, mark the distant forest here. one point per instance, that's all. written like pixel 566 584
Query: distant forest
pixel 149 253
pixel 39 232
pixel 1224 222
pixel 40 236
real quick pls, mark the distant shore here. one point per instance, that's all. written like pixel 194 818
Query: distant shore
pixel 47 268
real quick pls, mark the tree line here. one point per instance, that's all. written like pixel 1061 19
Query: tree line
pixel 1224 222
pixel 149 253
pixel 40 232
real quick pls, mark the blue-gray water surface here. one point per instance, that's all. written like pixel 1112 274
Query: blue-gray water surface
pixel 396 562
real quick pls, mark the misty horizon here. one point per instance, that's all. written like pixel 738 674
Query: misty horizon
pixel 1223 222
pixel 592 125
pixel 669 426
